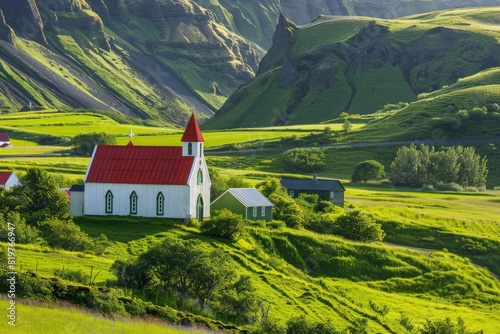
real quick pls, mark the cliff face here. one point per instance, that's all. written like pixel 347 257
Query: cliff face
pixel 23 16
pixel 6 32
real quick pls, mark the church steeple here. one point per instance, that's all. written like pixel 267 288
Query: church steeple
pixel 192 140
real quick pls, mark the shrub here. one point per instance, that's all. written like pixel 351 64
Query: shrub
pixel 30 285
pixel 106 303
pixel 304 160
pixel 72 275
pixel 136 307
pixel 355 225
pixel 224 224
pixel 67 235
pixel 25 233
pixel 367 170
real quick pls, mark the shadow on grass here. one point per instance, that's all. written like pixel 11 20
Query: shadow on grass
pixel 125 229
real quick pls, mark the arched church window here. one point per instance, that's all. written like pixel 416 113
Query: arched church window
pixel 190 149
pixel 160 204
pixel 133 203
pixel 108 205
pixel 200 176
pixel 199 209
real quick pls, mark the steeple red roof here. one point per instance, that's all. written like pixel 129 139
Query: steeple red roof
pixel 192 133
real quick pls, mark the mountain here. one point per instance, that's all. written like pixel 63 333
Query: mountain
pixel 157 60
pixel 357 65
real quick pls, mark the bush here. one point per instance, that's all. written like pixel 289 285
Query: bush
pixel 84 144
pixel 355 225
pixel 304 160
pixel 25 233
pixel 67 235
pixel 224 224
pixel 72 275
pixel 136 307
pixel 276 224
pixel 30 285
pixel 367 170
pixel 106 303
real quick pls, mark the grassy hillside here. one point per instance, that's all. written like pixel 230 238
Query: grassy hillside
pixel 33 317
pixel 366 64
pixel 296 271
pixel 321 277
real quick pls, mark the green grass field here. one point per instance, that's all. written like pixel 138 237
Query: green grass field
pixel 33 317
pixel 347 276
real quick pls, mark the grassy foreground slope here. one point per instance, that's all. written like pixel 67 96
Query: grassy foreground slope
pixel 323 277
pixel 38 318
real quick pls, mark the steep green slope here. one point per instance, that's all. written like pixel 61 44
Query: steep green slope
pixel 468 108
pixel 358 65
pixel 327 278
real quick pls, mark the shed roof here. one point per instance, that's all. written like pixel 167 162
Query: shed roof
pixel 139 165
pixel 77 188
pixel 312 184
pixel 249 197
pixel 4 177
pixel 4 137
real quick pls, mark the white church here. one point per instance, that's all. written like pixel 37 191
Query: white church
pixel 147 181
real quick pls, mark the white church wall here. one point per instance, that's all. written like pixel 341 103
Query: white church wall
pixel 197 189
pixel 176 199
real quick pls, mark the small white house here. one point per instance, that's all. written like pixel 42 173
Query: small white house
pixel 8 180
pixel 4 140
pixel 147 181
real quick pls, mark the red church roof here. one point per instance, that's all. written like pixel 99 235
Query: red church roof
pixel 139 165
pixel 4 177
pixel 192 133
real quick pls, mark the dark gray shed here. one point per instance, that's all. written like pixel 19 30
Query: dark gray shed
pixel 328 190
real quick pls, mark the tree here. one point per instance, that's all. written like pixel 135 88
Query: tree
pixel 355 225
pixel 443 166
pixel 367 170
pixel 473 171
pixel 38 197
pixel 416 167
pixel 84 144
pixel 225 224
pixel 304 160
pixel 406 167
pixel 346 127
pixel 182 265
pixel 285 208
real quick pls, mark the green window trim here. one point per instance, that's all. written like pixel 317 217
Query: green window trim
pixel 108 204
pixel 133 203
pixel 160 204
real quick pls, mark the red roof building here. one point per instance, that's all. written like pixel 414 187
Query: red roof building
pixel 8 180
pixel 149 181
pixel 4 140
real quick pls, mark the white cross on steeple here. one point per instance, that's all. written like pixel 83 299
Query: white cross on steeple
pixel 130 134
